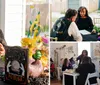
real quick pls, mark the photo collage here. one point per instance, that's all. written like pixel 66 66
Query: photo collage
pixel 49 42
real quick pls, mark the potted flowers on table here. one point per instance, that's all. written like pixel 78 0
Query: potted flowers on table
pixel 38 53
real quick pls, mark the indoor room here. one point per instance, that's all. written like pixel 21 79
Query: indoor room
pixel 71 52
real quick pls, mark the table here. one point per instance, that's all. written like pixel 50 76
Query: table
pixel 90 37
pixel 74 75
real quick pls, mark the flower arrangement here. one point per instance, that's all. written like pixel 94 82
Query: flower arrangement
pixel 38 48
pixel 96 29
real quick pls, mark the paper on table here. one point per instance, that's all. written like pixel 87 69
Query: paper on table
pixel 70 70
pixel 84 32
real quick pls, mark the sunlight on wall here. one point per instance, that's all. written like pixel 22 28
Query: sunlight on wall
pixel 84 46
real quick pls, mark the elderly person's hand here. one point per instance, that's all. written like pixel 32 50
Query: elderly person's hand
pixel 2 50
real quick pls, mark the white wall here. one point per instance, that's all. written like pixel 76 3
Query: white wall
pixel 91 5
pixel 95 51
pixel 59 5
pixel 65 52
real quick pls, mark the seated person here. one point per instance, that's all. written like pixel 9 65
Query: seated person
pixel 83 20
pixel 84 68
pixel 52 68
pixel 67 65
pixel 72 61
pixel 66 28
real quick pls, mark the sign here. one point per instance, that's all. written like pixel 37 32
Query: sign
pixel 16 64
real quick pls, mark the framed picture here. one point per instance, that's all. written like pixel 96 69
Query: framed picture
pixel 16 65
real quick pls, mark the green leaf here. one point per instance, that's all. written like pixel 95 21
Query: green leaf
pixel 37 55
pixel 30 22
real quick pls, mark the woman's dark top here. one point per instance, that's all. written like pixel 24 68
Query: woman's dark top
pixel 85 23
pixel 83 70
pixel 80 59
pixel 66 67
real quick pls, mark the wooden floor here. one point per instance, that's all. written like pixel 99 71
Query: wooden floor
pixel 55 82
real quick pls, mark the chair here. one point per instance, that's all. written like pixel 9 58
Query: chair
pixel 90 75
pixel 98 81
pixel 53 38
pixel 96 22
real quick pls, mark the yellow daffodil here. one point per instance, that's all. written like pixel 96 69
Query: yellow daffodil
pixel 25 41
pixel 44 60
pixel 35 23
pixel 31 6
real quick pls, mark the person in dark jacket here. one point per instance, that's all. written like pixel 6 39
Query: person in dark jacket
pixel 86 67
pixel 66 28
pixel 67 65
pixel 83 20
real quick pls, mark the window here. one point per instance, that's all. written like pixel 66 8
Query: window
pixel 14 21
pixel 84 46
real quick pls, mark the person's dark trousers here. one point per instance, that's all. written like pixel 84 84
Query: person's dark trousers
pixel 51 76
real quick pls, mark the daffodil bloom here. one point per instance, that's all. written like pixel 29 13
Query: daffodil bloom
pixel 31 6
pixel 44 60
